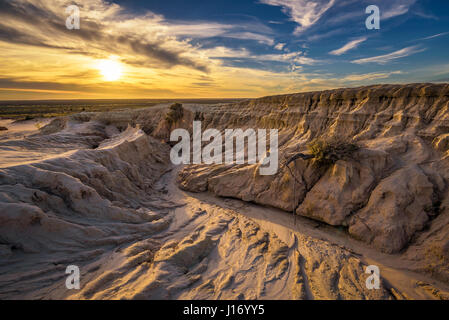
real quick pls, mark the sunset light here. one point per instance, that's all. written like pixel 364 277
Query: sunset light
pixel 111 70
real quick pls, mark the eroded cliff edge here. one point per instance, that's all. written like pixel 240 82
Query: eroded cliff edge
pixel 393 195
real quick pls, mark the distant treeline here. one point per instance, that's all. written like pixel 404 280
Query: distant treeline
pixel 29 109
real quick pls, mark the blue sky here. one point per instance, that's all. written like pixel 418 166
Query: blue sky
pixel 218 48
pixel 266 26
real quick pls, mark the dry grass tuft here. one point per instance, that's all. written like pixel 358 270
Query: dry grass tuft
pixel 327 152
pixel 175 113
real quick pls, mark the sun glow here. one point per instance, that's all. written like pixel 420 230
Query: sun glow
pixel 110 70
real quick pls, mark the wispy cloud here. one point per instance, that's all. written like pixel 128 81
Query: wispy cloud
pixel 435 36
pixel 370 76
pixel 327 34
pixel 303 12
pixel 297 58
pixel 425 15
pixel 397 8
pixel 384 59
pixel 292 58
pixel 201 30
pixel 349 46
pixel 250 36
pixel 279 46
pixel 224 52
pixel 302 60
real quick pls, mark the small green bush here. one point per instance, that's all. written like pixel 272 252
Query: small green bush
pixel 175 113
pixel 327 152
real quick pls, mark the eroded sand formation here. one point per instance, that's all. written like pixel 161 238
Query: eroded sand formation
pixel 97 190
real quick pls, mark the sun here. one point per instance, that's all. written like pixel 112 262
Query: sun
pixel 110 70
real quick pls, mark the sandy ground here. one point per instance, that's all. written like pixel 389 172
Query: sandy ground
pixel 297 237
pixel 18 148
pixel 393 269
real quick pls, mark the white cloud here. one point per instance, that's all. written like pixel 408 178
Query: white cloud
pixel 250 31
pixel 349 46
pixel 383 59
pixel 304 12
pixel 197 30
pixel 435 36
pixel 397 8
pixel 370 76
pixel 305 60
pixel 328 34
pixel 394 12
pixel 293 57
pixel 224 52
pixel 279 46
pixel 250 36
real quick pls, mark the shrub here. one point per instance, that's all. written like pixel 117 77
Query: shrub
pixel 327 152
pixel 175 113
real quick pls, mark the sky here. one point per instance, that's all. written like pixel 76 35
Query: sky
pixel 216 48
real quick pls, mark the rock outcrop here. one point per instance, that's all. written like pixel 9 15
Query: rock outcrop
pixel 393 189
